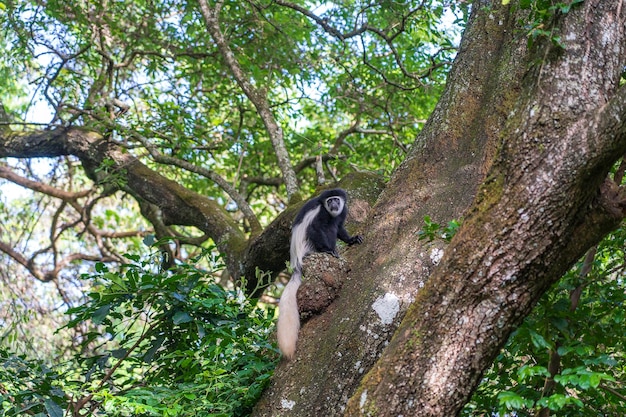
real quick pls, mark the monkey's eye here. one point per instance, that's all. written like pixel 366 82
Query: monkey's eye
pixel 333 202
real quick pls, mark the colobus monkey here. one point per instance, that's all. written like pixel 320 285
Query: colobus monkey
pixel 315 229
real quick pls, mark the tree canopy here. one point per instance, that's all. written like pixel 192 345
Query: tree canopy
pixel 210 102
pixel 154 155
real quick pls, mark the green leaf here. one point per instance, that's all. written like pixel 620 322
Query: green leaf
pixel 156 344
pixel 116 279
pixel 149 240
pixel 539 341
pixel 201 330
pixel 100 314
pixel 513 401
pixel 181 317
pixel 53 408
pixel 561 324
pixel 526 371
pixel 119 353
pixel 525 4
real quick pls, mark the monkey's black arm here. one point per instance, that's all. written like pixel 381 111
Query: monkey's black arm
pixel 342 234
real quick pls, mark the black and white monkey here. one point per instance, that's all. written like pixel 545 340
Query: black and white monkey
pixel 315 229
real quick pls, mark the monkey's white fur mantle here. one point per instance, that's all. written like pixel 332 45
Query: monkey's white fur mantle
pixel 288 324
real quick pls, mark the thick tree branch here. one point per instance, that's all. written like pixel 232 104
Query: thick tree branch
pixel 538 147
pixel 163 201
pixel 243 205
pixel 612 124
pixel 177 204
pixel 22 260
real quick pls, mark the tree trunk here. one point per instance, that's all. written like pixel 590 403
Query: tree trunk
pixel 519 145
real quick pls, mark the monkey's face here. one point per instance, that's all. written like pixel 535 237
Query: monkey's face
pixel 334 205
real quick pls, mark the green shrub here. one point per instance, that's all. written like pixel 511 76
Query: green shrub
pixel 169 343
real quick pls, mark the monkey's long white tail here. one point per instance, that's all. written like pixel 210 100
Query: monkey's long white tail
pixel 288 317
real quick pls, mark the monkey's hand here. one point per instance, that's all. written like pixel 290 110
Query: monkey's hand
pixel 356 239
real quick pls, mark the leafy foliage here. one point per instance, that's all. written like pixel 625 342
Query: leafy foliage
pixel 542 14
pixel 433 230
pixel 157 59
pixel 149 78
pixel 168 343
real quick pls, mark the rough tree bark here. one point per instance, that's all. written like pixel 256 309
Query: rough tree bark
pixel 519 145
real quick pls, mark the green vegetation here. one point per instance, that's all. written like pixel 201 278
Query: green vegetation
pixel 160 343
pixel 433 230
pixel 542 15
pixel 93 321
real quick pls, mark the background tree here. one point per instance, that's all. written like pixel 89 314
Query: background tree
pixel 520 146
pixel 189 118
pixel 166 120
pixel 138 82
